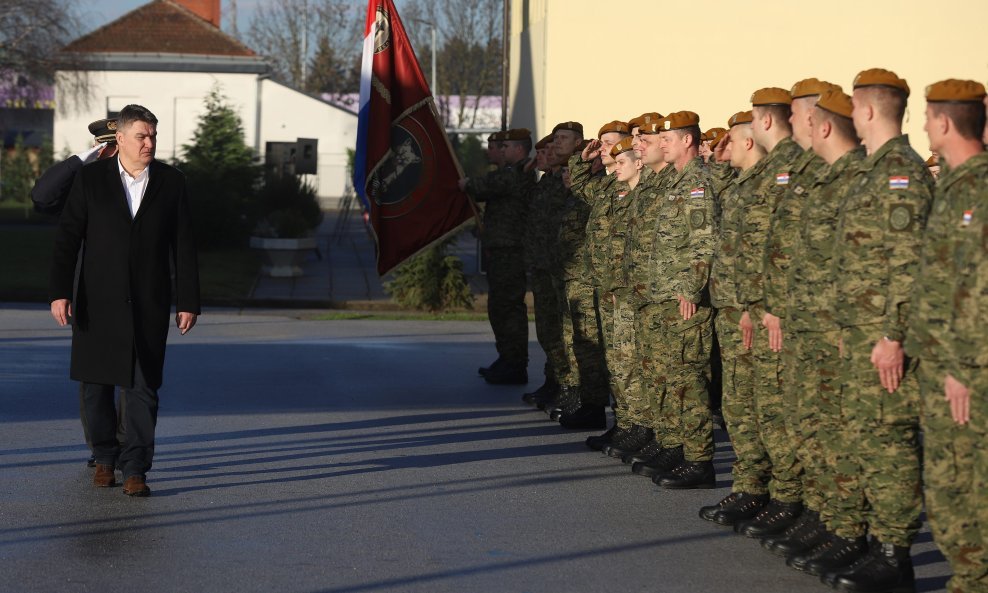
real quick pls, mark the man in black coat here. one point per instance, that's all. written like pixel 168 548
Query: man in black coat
pixel 132 216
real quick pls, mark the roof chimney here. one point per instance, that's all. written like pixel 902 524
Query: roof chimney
pixel 207 9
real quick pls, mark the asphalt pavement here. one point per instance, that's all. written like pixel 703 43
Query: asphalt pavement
pixel 346 456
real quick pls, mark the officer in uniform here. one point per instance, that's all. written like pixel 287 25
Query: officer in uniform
pixel 505 192
pixel 946 333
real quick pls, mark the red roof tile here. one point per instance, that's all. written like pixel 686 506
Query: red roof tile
pixel 161 26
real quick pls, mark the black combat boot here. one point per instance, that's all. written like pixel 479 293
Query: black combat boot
pixel 800 537
pixel 886 569
pixel 598 442
pixel 507 373
pixel 664 462
pixel 830 555
pixel 775 518
pixel 569 399
pixel 637 437
pixel 548 390
pixel 646 453
pixel 688 475
pixel 584 418
pixel 736 506
pixel 482 371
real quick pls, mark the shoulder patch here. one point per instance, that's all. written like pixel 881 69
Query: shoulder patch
pixel 782 178
pixel 899 182
pixel 696 192
pixel 901 217
pixel 698 218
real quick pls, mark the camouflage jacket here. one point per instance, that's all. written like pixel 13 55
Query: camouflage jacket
pixel 506 193
pixel 605 194
pixel 642 210
pixel 811 288
pixel 572 236
pixel 784 228
pixel 950 298
pixel 679 262
pixel 721 175
pixel 723 285
pixel 758 209
pixel 879 237
pixel 542 230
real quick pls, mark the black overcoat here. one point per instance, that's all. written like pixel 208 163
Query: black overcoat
pixel 124 296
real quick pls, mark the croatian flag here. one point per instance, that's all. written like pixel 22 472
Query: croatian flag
pixel 404 168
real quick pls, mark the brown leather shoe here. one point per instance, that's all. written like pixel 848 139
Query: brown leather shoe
pixel 104 478
pixel 135 486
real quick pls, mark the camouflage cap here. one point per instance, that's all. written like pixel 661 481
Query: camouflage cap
pixel 623 146
pixel 880 77
pixel 771 96
pixel 741 117
pixel 811 87
pixel 543 143
pixel 104 130
pixel 573 126
pixel 836 102
pixel 517 134
pixel 615 126
pixel 955 91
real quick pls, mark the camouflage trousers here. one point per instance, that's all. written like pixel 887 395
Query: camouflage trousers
pixel 674 355
pixel 812 384
pixel 876 464
pixel 548 325
pixel 581 335
pixel 630 400
pixel 752 468
pixel 506 307
pixel 956 479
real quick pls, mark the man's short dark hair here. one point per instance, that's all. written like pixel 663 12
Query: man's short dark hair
pixel 526 144
pixel 693 131
pixel 132 113
pixel 844 126
pixel 780 115
pixel 889 102
pixel 968 118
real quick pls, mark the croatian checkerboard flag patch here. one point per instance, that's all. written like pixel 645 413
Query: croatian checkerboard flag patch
pixel 899 182
pixel 696 192
pixel 782 179
pixel 968 217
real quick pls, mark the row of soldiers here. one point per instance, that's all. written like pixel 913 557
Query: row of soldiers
pixel 837 284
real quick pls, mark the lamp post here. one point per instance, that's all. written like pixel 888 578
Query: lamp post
pixel 432 26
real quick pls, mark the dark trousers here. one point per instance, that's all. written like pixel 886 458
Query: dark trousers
pixel 133 456
pixel 121 414
pixel 506 306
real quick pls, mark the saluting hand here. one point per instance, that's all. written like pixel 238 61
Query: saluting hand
pixel 61 310
pixel 185 321
pixel 591 151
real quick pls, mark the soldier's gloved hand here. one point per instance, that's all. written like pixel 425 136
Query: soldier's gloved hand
pixel 89 155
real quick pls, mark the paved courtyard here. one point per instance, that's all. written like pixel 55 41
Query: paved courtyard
pixel 332 456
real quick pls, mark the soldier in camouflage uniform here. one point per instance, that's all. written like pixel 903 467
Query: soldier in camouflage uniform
pixel 505 191
pixel 680 319
pixel 751 470
pixel 548 326
pixel 646 449
pixel 949 306
pixel 598 192
pixel 879 234
pixel 802 391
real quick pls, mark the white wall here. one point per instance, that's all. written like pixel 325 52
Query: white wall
pixel 177 100
pixel 288 115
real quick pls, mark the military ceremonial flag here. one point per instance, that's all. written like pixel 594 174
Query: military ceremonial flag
pixel 404 168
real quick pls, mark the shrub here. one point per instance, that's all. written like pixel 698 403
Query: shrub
pixel 432 280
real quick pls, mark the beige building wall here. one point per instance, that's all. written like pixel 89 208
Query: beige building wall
pixel 708 56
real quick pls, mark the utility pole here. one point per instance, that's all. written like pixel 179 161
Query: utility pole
pixel 305 42
pixel 505 62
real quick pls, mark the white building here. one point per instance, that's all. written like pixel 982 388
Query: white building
pixel 167 56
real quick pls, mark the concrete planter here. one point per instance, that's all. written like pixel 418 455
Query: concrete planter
pixel 282 258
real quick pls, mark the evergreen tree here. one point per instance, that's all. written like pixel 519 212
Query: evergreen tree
pixel 18 174
pixel 222 176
